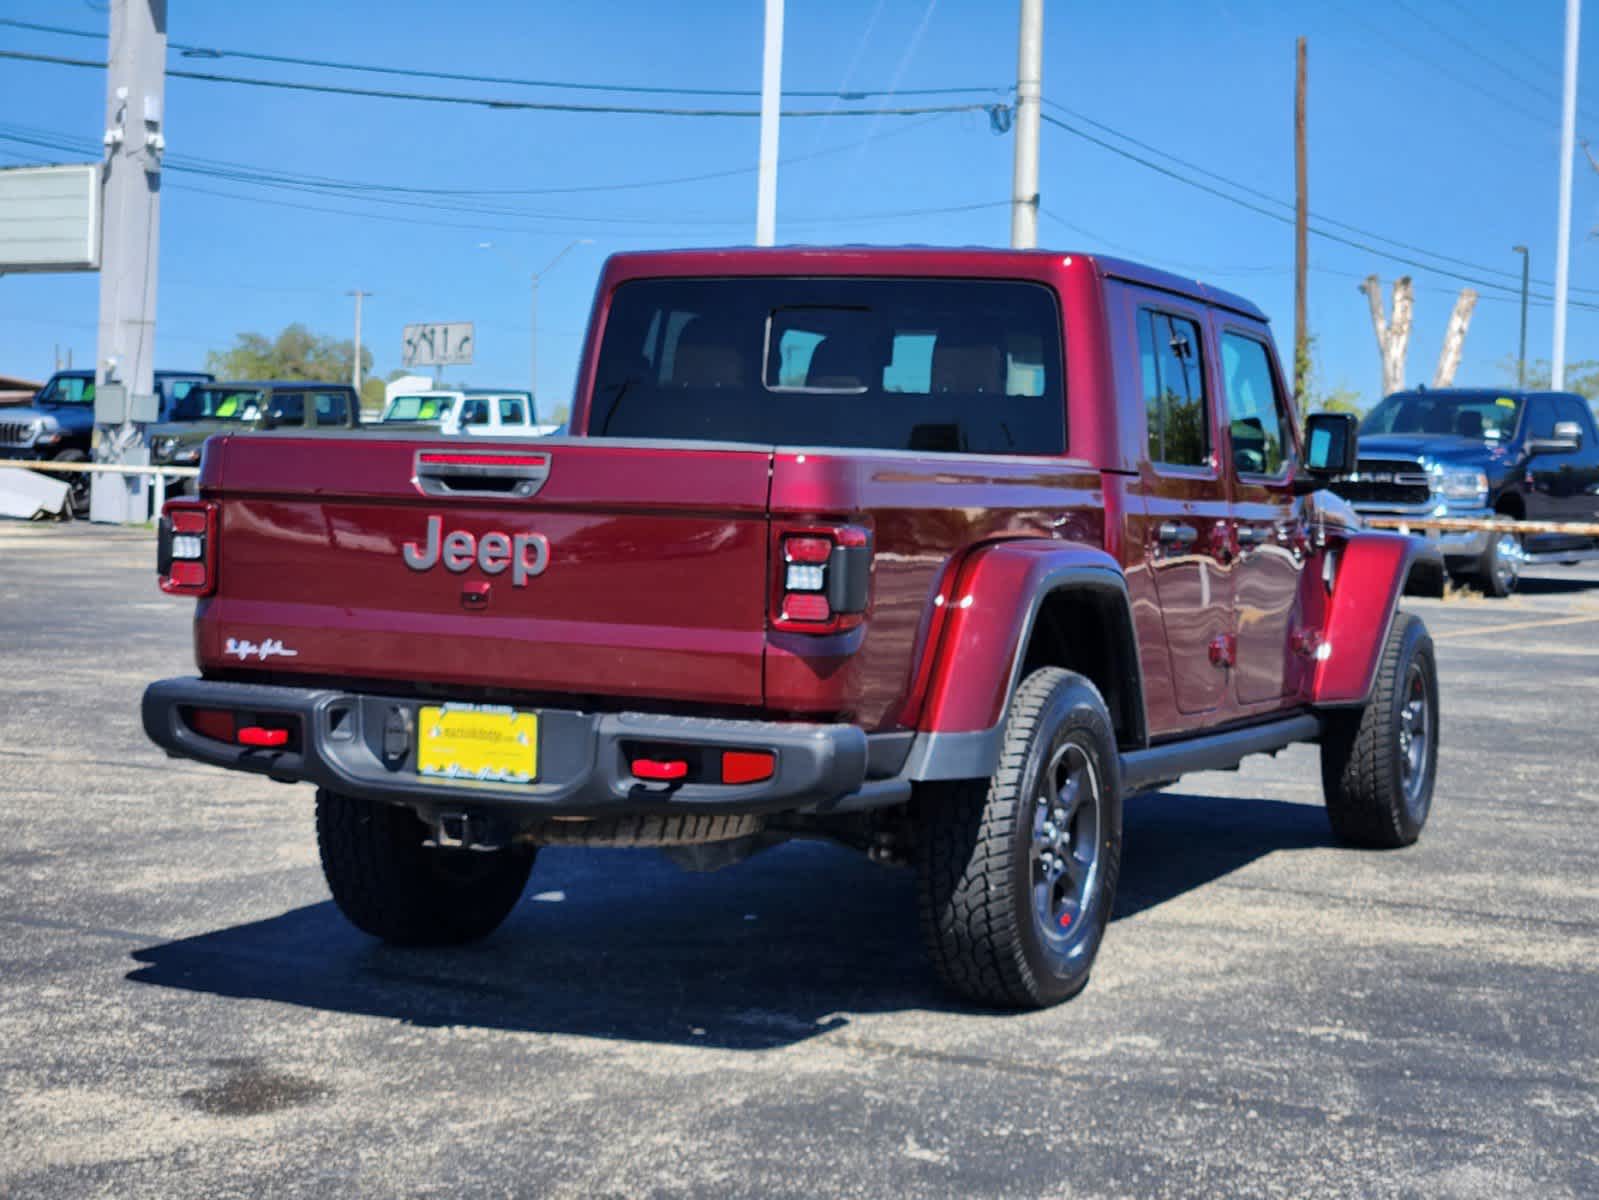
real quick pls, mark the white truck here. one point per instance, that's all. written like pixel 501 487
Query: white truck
pixel 474 413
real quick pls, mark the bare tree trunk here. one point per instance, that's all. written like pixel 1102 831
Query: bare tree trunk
pixel 1455 339
pixel 1393 336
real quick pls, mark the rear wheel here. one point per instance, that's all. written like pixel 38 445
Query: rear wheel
pixel 387 883
pixel 1378 765
pixel 1017 874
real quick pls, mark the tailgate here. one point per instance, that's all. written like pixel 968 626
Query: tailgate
pixel 573 566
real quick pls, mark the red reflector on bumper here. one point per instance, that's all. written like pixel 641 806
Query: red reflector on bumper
pixel 256 735
pixel 655 769
pixel 748 766
pixel 214 723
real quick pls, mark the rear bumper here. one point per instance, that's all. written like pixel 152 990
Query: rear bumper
pixel 583 757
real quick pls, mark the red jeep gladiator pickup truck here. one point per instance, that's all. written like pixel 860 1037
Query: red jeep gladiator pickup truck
pixel 938 553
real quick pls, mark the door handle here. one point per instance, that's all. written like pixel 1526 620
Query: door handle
pixel 1175 533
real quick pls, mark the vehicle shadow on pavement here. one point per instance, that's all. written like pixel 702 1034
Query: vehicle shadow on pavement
pixel 622 944
pixel 1555 585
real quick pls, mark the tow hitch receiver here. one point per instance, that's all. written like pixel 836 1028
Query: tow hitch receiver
pixel 466 831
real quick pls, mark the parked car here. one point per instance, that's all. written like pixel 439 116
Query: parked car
pixel 59 424
pixel 241 405
pixel 475 412
pixel 1477 452
pixel 937 553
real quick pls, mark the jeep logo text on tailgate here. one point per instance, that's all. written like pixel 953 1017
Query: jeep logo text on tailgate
pixel 527 554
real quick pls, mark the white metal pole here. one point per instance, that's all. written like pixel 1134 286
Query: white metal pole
pixel 771 102
pixel 533 341
pixel 1029 92
pixel 1568 151
pixel 355 365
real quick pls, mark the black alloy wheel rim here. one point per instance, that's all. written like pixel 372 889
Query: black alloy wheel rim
pixel 1415 743
pixel 1065 860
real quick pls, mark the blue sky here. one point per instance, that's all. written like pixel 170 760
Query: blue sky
pixel 1432 122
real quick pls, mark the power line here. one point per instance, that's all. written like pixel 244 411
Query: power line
pixel 193 51
pixel 1287 220
pixel 560 106
pixel 1288 205
pixel 68 143
pixel 1474 86
pixel 1536 60
pixel 1496 63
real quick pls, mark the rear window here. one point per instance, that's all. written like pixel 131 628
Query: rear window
pixel 971 366
pixel 415 408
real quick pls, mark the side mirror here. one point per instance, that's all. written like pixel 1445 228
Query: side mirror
pixel 1567 437
pixel 1330 450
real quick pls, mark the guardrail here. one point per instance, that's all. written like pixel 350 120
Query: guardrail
pixel 1475 524
pixel 160 473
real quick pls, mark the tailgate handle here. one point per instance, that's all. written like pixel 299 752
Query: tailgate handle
pixel 480 473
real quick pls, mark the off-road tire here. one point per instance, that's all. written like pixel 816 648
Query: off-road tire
pixel 77 506
pixel 973 846
pixel 647 830
pixel 388 884
pixel 1362 767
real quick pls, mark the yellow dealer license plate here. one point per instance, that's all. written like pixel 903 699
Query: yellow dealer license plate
pixel 471 741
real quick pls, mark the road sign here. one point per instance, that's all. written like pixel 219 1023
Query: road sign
pixel 438 345
pixel 50 218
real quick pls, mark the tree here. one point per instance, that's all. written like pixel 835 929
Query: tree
pixel 1393 336
pixel 1455 339
pixel 373 394
pixel 1581 377
pixel 296 353
pixel 1342 398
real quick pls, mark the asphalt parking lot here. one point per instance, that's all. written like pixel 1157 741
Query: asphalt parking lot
pixel 183 1013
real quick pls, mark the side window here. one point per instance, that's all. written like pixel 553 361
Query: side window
pixel 1541 417
pixel 475 411
pixel 1573 409
pixel 910 365
pixel 332 408
pixel 512 411
pixel 1257 428
pixel 1170 349
pixel 287 408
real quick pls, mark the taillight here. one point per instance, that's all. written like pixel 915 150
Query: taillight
pixel 185 557
pixel 823 577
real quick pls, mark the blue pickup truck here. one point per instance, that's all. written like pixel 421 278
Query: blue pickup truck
pixel 1471 452
pixel 59 423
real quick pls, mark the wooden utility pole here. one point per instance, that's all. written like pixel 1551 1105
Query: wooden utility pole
pixel 1393 335
pixel 1301 240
